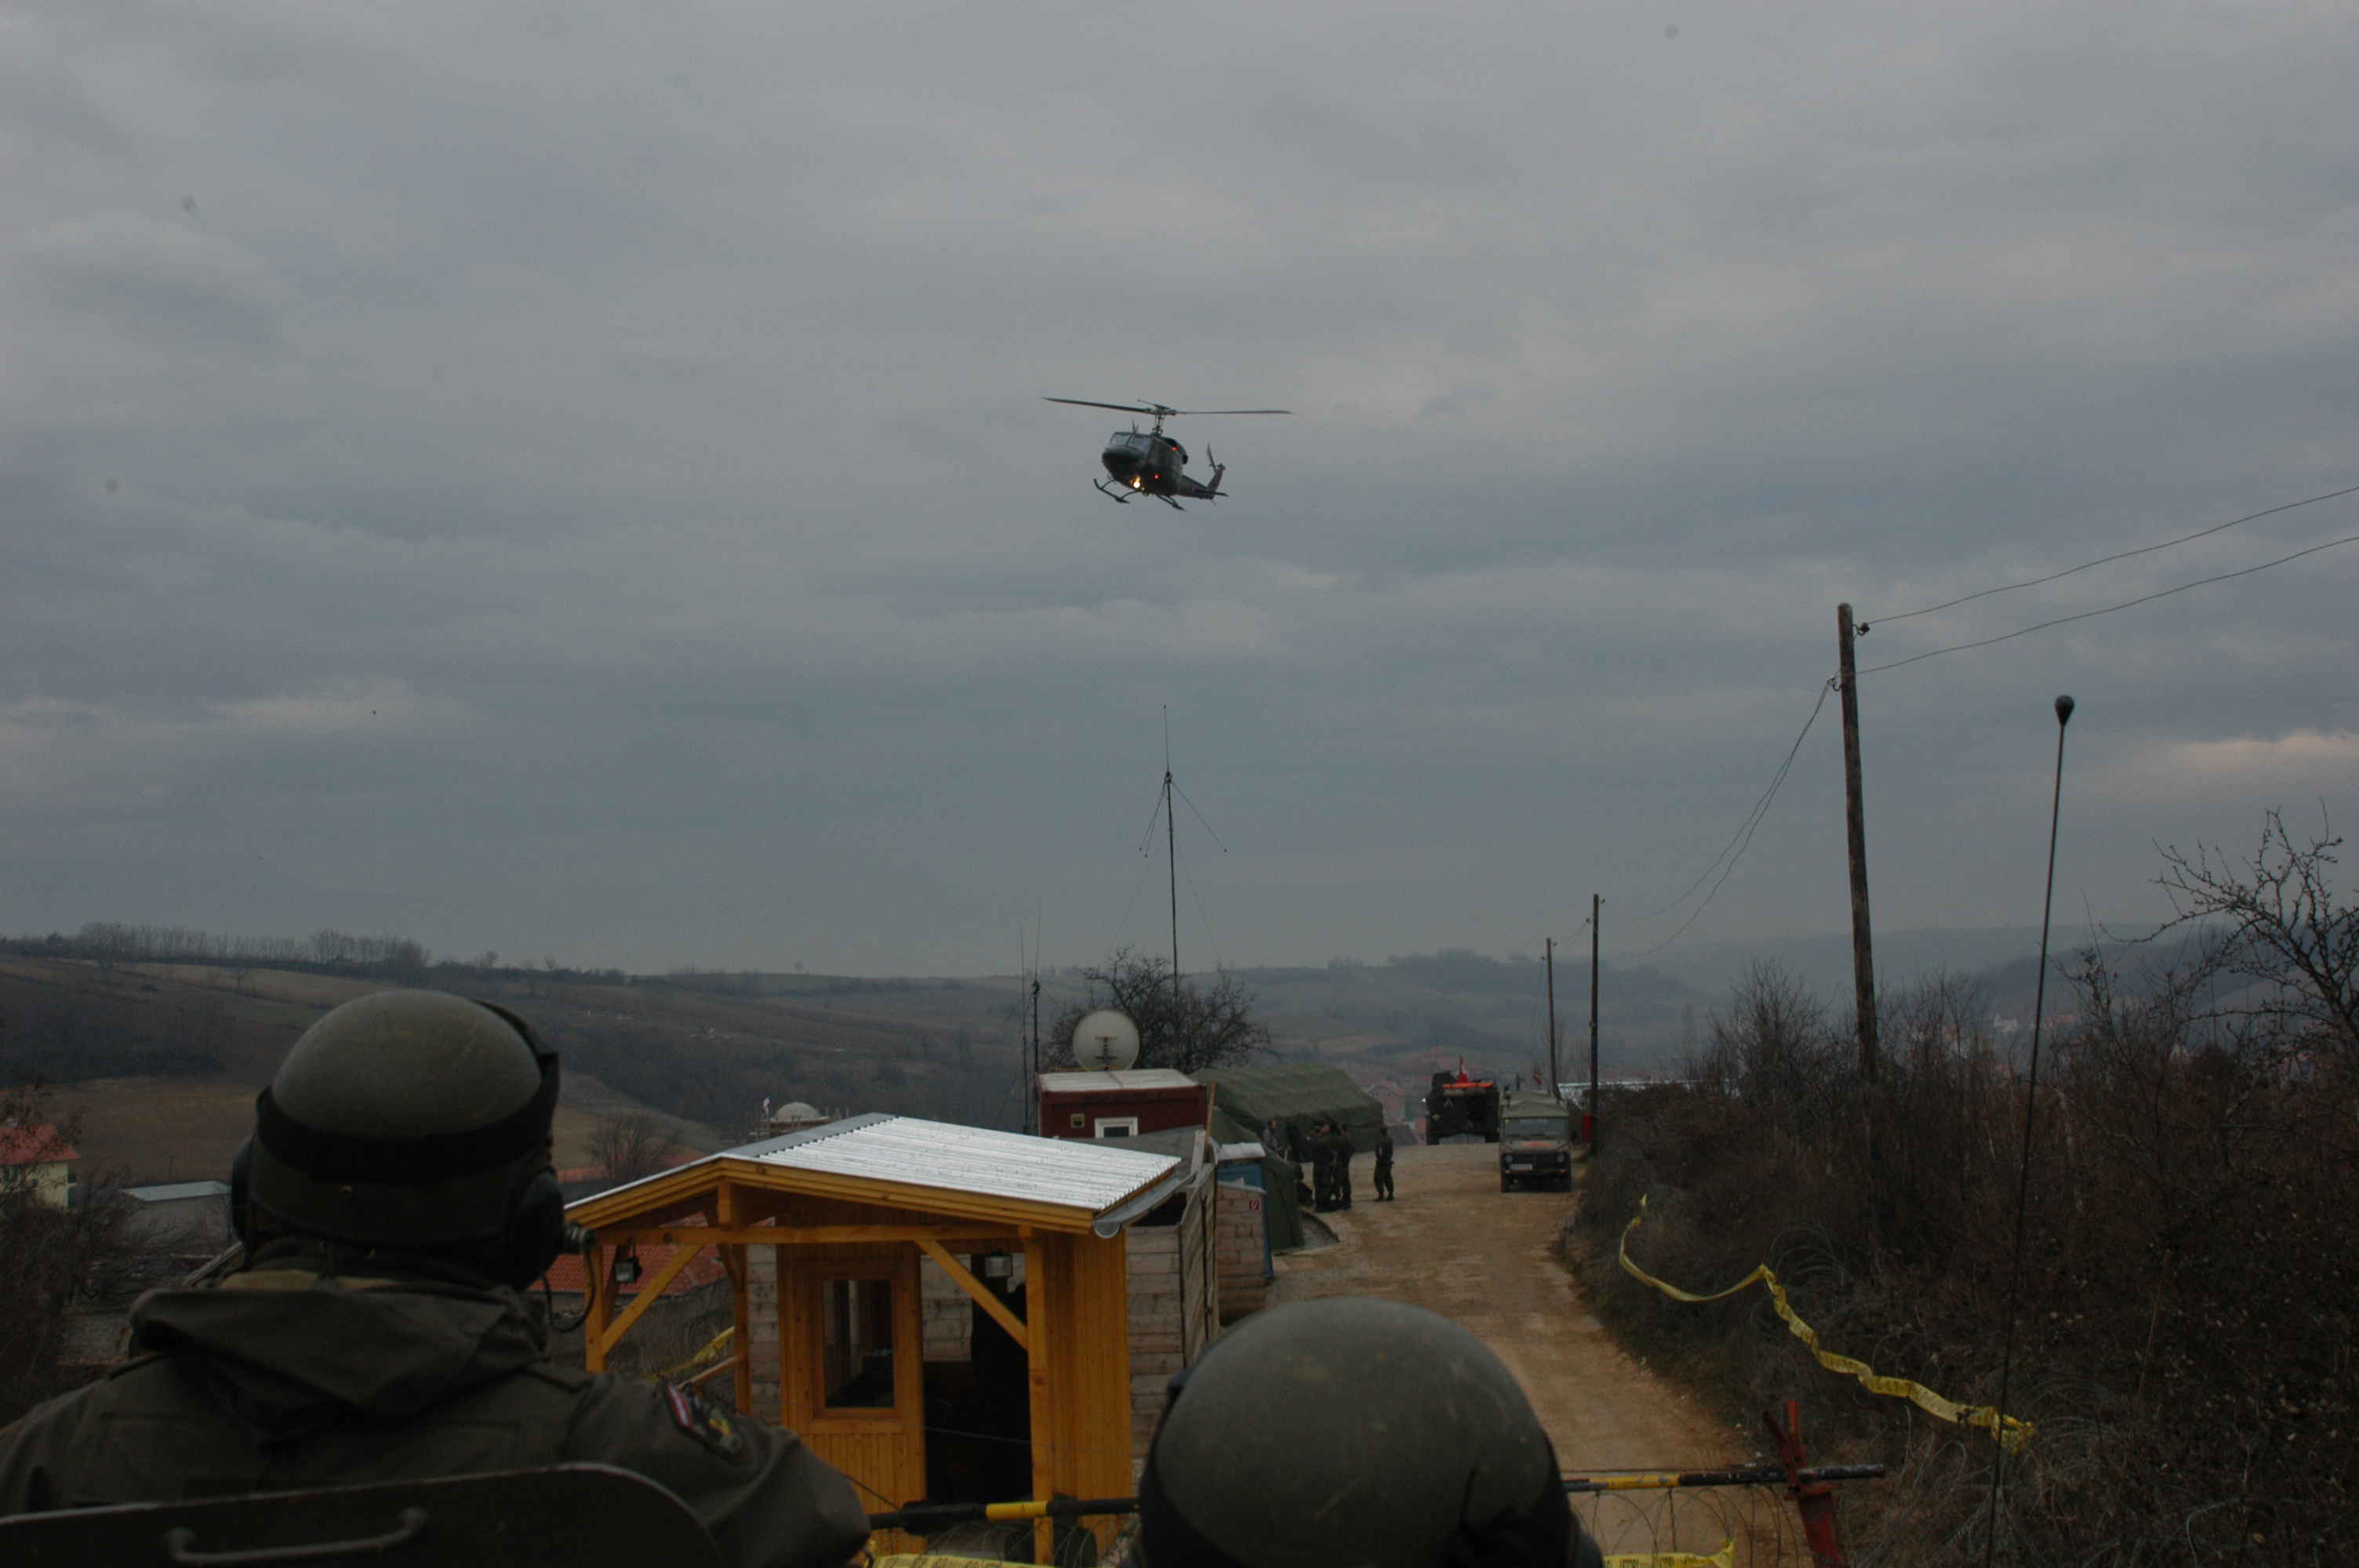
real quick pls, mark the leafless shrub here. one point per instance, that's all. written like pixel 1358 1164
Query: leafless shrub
pixel 630 1146
pixel 2187 1320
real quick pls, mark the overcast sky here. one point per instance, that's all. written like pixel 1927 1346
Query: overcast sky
pixel 571 478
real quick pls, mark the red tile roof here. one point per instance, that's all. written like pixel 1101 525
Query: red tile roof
pixel 568 1274
pixel 597 1173
pixel 36 1145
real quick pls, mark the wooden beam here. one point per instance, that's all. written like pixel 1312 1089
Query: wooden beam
pixel 981 1293
pixel 803 1235
pixel 650 1290
pixel 672 1190
pixel 741 1318
pixel 1046 1438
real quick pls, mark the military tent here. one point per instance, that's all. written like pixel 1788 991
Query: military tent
pixel 1295 1095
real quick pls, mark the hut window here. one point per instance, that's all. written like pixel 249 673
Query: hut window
pixel 856 1343
pixel 1118 1127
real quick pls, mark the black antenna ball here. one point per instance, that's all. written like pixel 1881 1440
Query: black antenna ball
pixel 2063 711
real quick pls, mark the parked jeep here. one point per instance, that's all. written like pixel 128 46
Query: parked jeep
pixel 1534 1142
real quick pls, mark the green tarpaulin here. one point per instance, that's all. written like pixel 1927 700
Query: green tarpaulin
pixel 1294 1095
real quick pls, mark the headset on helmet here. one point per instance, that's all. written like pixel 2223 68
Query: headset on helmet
pixel 407 1119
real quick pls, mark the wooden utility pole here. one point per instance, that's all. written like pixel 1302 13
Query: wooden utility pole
pixel 1594 1119
pixel 1862 949
pixel 1863 953
pixel 1554 1078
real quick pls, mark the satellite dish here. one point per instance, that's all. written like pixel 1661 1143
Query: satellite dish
pixel 1105 1041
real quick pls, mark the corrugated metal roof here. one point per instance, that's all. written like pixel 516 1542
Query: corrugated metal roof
pixel 172 1192
pixel 1092 1177
pixel 1128 1078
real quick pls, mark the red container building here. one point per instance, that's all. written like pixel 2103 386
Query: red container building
pixel 1120 1105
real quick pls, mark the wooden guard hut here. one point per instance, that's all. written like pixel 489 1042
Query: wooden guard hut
pixel 822 1232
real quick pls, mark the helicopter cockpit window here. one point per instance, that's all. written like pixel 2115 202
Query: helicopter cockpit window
pixel 1132 441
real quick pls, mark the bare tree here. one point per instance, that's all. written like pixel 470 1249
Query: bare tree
pixel 1205 1025
pixel 61 1259
pixel 630 1146
pixel 1775 1045
pixel 106 943
pixel 2276 923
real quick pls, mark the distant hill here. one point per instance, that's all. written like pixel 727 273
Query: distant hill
pixel 1824 963
pixel 1409 1015
pixel 166 1057
pixel 164 1060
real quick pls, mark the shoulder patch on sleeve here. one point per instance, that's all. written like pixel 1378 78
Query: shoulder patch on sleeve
pixel 705 1421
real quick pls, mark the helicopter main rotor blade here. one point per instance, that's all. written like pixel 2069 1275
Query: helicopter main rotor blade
pixel 1117 407
pixel 1160 410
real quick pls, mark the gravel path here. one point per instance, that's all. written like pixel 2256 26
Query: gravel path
pixel 1455 1244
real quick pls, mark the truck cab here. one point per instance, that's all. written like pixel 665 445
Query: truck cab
pixel 1534 1143
pixel 1462 1110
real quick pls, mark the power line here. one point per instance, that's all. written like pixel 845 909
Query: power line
pixel 1724 863
pixel 1752 816
pixel 2121 556
pixel 1736 846
pixel 2108 609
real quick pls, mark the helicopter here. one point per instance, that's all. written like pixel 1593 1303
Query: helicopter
pixel 1148 462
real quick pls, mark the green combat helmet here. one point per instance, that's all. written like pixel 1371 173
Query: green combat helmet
pixel 415 1121
pixel 1422 1450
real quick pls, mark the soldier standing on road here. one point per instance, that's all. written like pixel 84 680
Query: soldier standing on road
pixel 1385 1165
pixel 1322 1168
pixel 1344 1153
pixel 396 1199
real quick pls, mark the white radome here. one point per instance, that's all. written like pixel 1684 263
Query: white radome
pixel 1106 1040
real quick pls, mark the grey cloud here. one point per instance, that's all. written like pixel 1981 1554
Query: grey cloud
pixel 640 414
pixel 158 281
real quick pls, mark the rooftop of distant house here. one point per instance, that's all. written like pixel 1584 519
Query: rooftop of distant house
pixel 39 1144
pixel 173 1192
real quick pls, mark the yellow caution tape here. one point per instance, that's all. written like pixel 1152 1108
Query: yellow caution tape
pixel 2017 1433
pixel 713 1348
pixel 1724 1558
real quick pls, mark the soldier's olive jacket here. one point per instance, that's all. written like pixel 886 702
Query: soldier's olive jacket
pixel 287 1378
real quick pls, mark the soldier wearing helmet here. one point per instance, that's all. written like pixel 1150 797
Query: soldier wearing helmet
pixel 394 1200
pixel 1450 1469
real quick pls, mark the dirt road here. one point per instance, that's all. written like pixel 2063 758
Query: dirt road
pixel 1453 1243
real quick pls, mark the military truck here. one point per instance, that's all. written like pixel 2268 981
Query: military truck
pixel 1462 1110
pixel 1535 1140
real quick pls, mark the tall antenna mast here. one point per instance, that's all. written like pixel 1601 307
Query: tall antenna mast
pixel 1172 862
